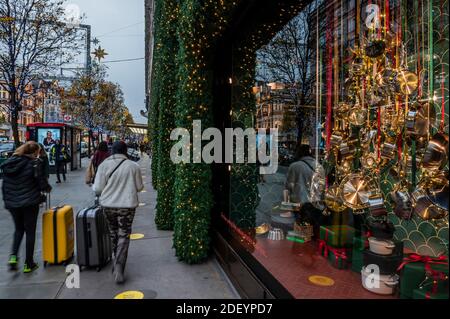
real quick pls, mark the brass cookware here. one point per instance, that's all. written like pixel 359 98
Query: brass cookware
pixel 369 161
pixel 356 190
pixel 333 199
pixel 436 154
pixel 420 118
pixel 407 82
pixel 357 115
pixel 376 205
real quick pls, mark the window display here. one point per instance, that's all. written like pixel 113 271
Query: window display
pixel 359 93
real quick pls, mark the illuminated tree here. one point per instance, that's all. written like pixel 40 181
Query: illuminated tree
pixel 33 42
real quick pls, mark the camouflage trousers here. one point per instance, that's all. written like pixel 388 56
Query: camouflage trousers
pixel 120 221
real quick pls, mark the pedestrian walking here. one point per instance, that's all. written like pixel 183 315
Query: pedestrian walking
pixel 23 185
pixel 298 183
pixel 117 183
pixel 45 162
pixel 99 156
pixel 59 155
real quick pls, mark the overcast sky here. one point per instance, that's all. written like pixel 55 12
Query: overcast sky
pixel 119 25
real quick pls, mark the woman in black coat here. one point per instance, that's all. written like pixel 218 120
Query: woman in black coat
pixel 23 183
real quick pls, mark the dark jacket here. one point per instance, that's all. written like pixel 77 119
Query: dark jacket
pixel 23 182
pixel 58 153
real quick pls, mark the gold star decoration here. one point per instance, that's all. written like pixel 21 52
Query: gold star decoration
pixel 100 53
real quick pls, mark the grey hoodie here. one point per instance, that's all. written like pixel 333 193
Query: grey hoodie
pixel 299 177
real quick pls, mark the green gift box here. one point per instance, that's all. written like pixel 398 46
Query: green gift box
pixel 340 258
pixel 426 294
pixel 359 245
pixel 413 275
pixel 339 236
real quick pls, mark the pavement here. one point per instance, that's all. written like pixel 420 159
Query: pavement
pixel 152 267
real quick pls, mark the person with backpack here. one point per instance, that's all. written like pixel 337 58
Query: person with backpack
pixel 45 162
pixel 24 182
pixel 100 155
pixel 298 183
pixel 59 155
pixel 117 183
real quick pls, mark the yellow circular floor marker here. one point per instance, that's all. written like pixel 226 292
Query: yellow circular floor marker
pixel 136 236
pixel 130 295
pixel 321 281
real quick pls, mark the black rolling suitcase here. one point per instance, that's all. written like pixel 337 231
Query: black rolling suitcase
pixel 94 247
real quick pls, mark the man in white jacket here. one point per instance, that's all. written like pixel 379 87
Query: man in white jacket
pixel 117 183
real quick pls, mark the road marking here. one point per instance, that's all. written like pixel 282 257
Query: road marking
pixel 136 236
pixel 130 295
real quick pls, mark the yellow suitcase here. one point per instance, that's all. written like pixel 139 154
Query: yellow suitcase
pixel 58 235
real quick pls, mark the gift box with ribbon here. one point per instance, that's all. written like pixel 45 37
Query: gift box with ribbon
pixel 426 294
pixel 338 257
pixel 337 236
pixel 360 244
pixel 416 270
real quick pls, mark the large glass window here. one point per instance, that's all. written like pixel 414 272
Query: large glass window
pixel 359 97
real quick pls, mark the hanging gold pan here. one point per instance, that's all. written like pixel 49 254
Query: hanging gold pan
pixel 356 190
pixel 407 82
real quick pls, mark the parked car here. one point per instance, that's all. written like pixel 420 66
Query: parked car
pixel 7 149
pixel 84 149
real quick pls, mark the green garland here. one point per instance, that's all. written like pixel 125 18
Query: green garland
pixel 198 25
pixel 154 98
pixel 167 49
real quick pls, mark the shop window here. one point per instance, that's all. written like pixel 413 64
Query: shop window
pixel 353 130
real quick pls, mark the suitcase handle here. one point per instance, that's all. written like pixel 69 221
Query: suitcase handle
pixel 89 235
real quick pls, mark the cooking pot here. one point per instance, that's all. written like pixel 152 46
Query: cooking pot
pixel 424 207
pixel 436 154
pixel 376 205
pixel 438 190
pixel 402 203
pixel 381 246
pixel 388 150
pixel 381 284
pixel 419 119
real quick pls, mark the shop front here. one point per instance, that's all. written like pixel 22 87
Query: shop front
pixel 365 85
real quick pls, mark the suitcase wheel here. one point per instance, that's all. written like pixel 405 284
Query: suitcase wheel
pixel 98 269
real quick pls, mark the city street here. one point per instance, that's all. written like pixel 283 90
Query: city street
pixel 152 268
